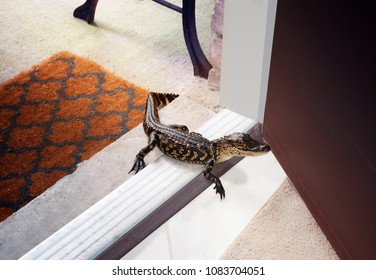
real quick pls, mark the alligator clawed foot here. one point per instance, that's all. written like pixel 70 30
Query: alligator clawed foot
pixel 138 165
pixel 220 189
pixel 218 185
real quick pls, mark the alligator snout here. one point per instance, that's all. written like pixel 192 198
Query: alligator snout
pixel 261 148
pixel 265 148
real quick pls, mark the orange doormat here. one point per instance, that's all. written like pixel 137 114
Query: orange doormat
pixel 54 116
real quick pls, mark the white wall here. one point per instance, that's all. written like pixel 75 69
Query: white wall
pixel 247 42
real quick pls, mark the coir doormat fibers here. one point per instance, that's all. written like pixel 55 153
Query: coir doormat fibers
pixel 54 116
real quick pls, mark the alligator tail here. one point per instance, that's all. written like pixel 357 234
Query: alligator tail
pixel 162 99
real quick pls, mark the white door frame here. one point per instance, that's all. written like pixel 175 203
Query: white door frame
pixel 247 43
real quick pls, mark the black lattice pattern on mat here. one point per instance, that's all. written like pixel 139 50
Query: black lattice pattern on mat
pixel 54 117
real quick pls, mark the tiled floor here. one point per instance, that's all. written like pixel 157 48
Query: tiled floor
pixel 207 226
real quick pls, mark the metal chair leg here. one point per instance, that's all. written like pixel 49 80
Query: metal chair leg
pixel 86 11
pixel 201 65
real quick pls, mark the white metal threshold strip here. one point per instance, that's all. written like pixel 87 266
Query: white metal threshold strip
pixel 89 234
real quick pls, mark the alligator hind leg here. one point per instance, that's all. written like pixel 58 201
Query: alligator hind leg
pixel 218 185
pixel 139 162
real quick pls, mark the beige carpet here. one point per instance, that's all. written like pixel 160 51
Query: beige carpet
pixel 283 229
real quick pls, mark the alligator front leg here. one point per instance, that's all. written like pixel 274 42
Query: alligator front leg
pixel 139 162
pixel 208 175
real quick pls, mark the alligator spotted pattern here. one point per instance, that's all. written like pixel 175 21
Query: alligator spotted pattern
pixel 178 143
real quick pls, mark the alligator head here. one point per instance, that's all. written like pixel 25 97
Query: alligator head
pixel 239 144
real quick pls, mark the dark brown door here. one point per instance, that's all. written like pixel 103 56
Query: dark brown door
pixel 321 115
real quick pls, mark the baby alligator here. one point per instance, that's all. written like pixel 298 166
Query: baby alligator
pixel 177 142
